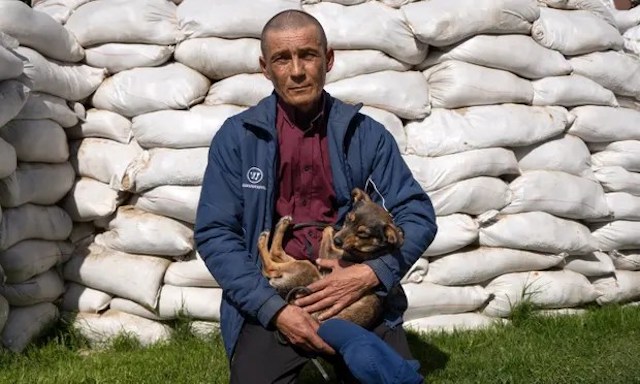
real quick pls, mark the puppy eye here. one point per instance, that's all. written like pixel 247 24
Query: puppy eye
pixel 364 235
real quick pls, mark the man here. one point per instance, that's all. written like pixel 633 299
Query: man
pixel 300 152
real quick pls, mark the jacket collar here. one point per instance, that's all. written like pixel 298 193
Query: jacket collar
pixel 263 115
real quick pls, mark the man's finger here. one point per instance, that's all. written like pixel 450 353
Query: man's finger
pixel 326 263
pixel 334 310
pixel 319 305
pixel 309 299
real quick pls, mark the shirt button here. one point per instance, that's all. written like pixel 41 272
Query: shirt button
pixel 304 202
pixel 307 168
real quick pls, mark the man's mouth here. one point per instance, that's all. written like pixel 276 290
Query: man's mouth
pixel 300 88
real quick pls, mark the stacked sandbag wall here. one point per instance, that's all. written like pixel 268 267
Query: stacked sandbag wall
pixel 494 106
pixel 37 106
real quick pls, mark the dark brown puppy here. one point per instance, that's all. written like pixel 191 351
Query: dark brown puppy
pixel 368 232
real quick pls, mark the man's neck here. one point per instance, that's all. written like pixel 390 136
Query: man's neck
pixel 303 118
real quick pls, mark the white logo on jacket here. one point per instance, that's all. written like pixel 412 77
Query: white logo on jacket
pixel 254 176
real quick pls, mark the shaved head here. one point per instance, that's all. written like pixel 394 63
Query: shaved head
pixel 291 19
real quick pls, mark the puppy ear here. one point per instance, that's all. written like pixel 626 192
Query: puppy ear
pixel 393 234
pixel 359 195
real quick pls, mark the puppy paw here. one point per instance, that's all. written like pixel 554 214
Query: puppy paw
pixel 285 221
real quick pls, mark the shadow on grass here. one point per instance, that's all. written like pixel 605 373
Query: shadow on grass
pixel 430 357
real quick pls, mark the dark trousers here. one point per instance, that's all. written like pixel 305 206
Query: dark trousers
pixel 260 358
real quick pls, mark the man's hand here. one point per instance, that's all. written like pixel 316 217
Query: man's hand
pixel 301 330
pixel 346 284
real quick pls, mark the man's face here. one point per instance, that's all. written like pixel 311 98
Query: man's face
pixel 297 65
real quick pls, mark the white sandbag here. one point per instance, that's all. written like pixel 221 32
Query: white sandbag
pixel 574 32
pixel 564 153
pixel 623 206
pixel 629 160
pixel 182 129
pixel 558 193
pixel 10 65
pixel 39 141
pixel 361 26
pixel 38 31
pixel 605 124
pixel 161 166
pixel 592 264
pixel 68 81
pixel 479 264
pixel 546 289
pixel 536 231
pixel 472 196
pixel 405 94
pixel 117 57
pixel 416 273
pixel 31 221
pixel 204 329
pixel 519 54
pixel 29 258
pixel 560 312
pixel 102 124
pixel 624 146
pixel 451 323
pixel 351 63
pixel 626 260
pixel 44 288
pixel 632 37
pixel 141 90
pixel 391 122
pixel 78 298
pixel 444 22
pixel 428 299
pixel 447 131
pixel 219 58
pixel 133 308
pixel 572 90
pixel 36 183
pixel 597 7
pixel 4 312
pixel 91 199
pixel 626 20
pixel 101 159
pixel 101 329
pixel 25 324
pixel 8 160
pixel 58 11
pixel 229 18
pixel 437 172
pixel 13 96
pixel 623 288
pixel 136 231
pixel 118 273
pixel 619 234
pixel 454 232
pixel 193 302
pixel 613 70
pixel 243 89
pixel 455 84
pixel 123 21
pixel 44 106
pixel 192 273
pixel 178 202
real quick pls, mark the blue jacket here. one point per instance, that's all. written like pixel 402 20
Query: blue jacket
pixel 237 202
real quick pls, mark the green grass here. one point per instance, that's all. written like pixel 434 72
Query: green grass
pixel 602 346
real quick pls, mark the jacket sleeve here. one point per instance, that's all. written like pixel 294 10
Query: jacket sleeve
pixel 220 236
pixel 391 183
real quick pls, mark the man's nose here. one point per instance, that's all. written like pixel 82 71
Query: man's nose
pixel 297 70
pixel 337 241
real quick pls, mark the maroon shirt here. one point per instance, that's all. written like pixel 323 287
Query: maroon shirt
pixel 305 183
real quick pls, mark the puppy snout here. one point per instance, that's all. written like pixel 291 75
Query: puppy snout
pixel 337 241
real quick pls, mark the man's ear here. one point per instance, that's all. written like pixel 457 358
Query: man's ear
pixel 330 58
pixel 393 234
pixel 358 194
pixel 263 68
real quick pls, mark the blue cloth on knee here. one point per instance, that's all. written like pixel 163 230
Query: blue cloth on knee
pixel 369 358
